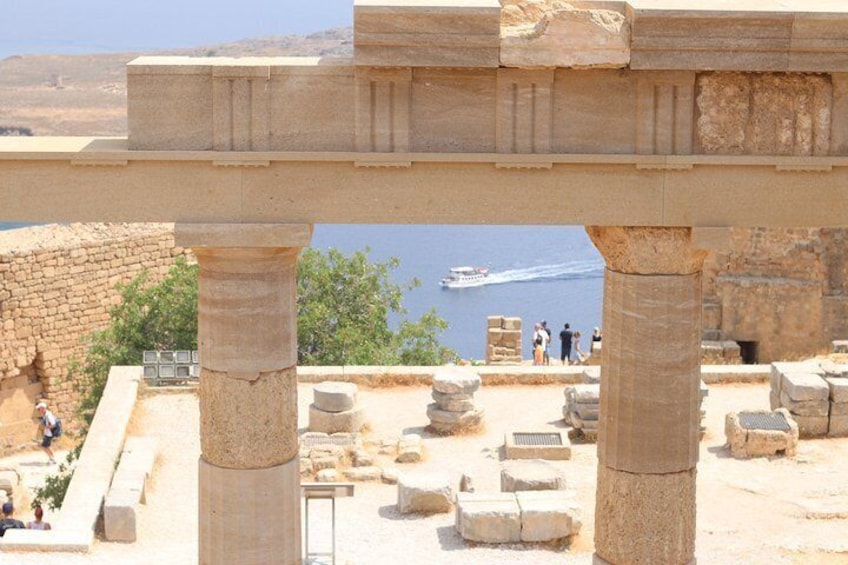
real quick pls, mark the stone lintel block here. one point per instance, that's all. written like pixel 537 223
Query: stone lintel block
pixel 811 426
pixel 630 504
pixel 458 402
pixel 561 452
pixel 427 33
pixel 488 517
pixel 804 386
pixel 818 407
pixel 838 389
pixel 425 494
pixel 838 426
pixel 119 519
pixel 456 380
pixel 331 422
pixel 548 514
pixel 535 474
pixel 333 396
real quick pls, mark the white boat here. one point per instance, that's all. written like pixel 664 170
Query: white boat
pixel 460 277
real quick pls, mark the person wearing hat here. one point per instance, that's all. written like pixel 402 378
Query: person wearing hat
pixel 51 426
pixel 9 523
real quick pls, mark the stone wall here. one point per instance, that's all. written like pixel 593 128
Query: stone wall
pixel 786 290
pixel 57 284
pixel 503 340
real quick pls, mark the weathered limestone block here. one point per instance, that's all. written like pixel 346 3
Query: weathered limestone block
pixel 531 474
pixel 833 370
pixel 804 386
pixel 838 426
pixel 764 113
pixel 488 517
pixel 548 514
pixel 390 476
pixel 443 421
pixel 592 375
pixel 361 458
pixel 811 426
pixel 805 407
pixel 456 380
pixel 512 323
pixel 838 389
pixel 306 467
pixel 426 494
pixel 351 420
pixel 327 476
pixel 466 483
pixel 838 409
pixel 364 474
pixel 409 449
pixel 458 402
pixel 331 396
pixel 555 34
pixel 745 443
pixel 119 516
pixel 322 463
pixel 9 481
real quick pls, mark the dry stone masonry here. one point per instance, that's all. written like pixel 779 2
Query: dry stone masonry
pixel 454 410
pixel 815 394
pixel 503 340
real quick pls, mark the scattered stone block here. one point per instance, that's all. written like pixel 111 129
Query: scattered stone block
pixel 446 422
pixel 327 476
pixel 322 463
pixel 556 445
pixel 531 475
pixel 390 476
pixel 456 380
pixel 424 494
pixel 361 458
pixel 747 442
pixel 548 515
pixel 409 449
pixel 838 389
pixel 488 517
pixel 364 474
pixel 352 420
pixel 804 386
pixel 119 516
pixel 332 396
pixel 805 407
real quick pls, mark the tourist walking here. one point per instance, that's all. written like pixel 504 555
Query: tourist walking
pixel 565 337
pixel 9 523
pixel 52 428
pixel 577 351
pixel 39 523
pixel 546 354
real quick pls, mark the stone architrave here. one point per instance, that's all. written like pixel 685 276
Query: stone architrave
pixel 556 34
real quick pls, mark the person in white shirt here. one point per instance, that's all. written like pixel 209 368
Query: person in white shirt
pixel 49 423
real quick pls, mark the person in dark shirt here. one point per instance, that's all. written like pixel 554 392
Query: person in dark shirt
pixel 565 337
pixel 9 523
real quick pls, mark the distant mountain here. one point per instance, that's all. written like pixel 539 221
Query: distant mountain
pixel 87 94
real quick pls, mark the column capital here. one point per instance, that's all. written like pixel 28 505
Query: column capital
pixel 242 235
pixel 648 250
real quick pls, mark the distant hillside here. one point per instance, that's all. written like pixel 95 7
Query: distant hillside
pixel 87 94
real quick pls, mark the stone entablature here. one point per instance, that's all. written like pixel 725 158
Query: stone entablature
pixel 57 284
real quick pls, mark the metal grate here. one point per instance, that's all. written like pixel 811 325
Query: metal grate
pixel 763 421
pixel 534 439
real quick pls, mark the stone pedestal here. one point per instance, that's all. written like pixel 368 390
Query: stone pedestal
pixel 249 480
pixel 648 442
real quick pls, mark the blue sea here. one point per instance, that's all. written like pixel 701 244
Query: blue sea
pixel 536 273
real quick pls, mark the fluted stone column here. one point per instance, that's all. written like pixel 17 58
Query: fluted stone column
pixel 249 491
pixel 650 374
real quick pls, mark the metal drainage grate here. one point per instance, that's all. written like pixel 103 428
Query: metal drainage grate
pixel 763 421
pixel 536 439
pixel 312 441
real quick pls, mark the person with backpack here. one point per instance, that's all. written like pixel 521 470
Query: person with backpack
pixel 52 429
pixel 9 523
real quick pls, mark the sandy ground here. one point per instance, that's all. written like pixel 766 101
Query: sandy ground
pixel 752 512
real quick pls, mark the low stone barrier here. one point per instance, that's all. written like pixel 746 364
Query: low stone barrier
pixel 73 526
pixel 815 393
pixel 128 490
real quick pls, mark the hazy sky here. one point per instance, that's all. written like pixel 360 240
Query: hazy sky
pixel 74 26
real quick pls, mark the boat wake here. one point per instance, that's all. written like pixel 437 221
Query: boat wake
pixel 591 269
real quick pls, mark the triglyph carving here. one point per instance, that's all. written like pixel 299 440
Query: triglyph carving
pixel 552 33
pixel 764 114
